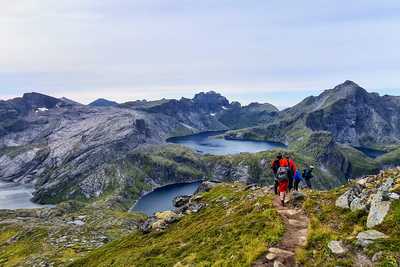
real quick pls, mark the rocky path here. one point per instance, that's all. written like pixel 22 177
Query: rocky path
pixel 296 228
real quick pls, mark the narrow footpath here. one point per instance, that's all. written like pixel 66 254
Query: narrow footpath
pixel 295 236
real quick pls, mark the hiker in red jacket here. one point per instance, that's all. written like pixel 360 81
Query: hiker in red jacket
pixel 282 177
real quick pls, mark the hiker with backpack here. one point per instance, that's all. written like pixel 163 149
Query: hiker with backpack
pixel 307 175
pixel 282 177
pixel 275 164
pixel 292 171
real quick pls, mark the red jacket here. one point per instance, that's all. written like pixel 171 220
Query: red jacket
pixel 288 163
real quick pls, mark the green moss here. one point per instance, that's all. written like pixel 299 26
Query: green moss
pixel 232 232
pixel 26 243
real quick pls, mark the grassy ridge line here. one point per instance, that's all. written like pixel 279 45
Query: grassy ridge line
pixel 234 229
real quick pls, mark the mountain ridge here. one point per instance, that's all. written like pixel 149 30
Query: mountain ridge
pixel 70 151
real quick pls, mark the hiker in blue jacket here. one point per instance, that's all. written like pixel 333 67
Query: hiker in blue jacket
pixel 297 178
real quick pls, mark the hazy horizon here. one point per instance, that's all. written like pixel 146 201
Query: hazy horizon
pixel 246 50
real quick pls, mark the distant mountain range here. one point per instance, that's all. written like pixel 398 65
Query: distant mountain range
pixel 74 151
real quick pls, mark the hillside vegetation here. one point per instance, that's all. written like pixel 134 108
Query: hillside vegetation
pixel 235 228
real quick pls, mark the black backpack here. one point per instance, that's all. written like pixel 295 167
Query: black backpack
pixel 275 166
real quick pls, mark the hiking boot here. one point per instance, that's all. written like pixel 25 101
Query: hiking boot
pixel 283 203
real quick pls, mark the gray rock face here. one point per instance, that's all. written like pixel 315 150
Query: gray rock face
pixel 368 237
pixel 66 149
pixel 355 116
pixel 378 210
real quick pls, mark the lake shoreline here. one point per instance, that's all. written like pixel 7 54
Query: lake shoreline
pixel 163 187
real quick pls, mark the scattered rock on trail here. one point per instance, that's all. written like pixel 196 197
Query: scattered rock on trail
pixel 368 237
pixel 271 256
pixel 298 196
pixel 377 256
pixel 337 247
pixel 278 264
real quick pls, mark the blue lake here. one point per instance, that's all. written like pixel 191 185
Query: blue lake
pixel 16 196
pixel 161 198
pixel 212 143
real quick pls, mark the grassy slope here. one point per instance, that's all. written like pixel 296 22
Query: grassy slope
pixel 361 164
pixel 232 234
pixel 390 159
pixel 331 223
pixel 26 243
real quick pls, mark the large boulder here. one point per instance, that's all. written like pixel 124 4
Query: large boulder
pixel 378 210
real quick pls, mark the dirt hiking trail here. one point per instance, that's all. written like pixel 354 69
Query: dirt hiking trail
pixel 295 236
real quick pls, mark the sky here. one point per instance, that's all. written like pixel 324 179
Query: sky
pixel 266 51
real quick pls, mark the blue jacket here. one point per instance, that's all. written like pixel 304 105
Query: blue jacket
pixel 297 176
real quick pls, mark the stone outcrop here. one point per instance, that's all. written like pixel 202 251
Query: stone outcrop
pixel 373 194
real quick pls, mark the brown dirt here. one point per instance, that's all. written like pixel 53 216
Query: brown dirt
pixel 295 236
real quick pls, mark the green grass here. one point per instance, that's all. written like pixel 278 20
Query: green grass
pixel 361 164
pixel 28 242
pixel 327 222
pixel 232 235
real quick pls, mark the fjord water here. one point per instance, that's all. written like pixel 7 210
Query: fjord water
pixel 161 198
pixel 212 143
pixel 16 196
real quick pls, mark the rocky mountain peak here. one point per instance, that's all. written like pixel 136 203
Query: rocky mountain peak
pixel 37 100
pixel 347 89
pixel 210 100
